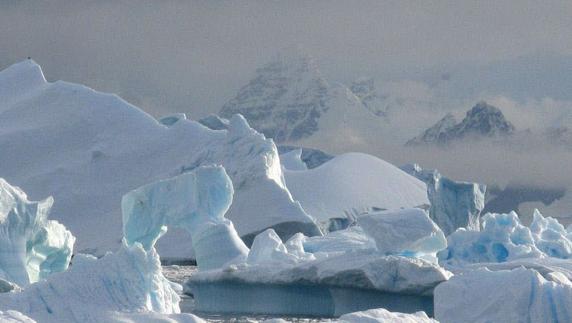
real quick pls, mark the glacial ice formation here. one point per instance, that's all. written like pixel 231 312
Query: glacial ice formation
pixel 354 183
pixel 338 273
pixel 453 204
pixel 377 315
pixel 129 285
pixel 85 149
pixel 408 232
pixel 504 238
pixel 518 295
pixel 31 246
pixel 196 202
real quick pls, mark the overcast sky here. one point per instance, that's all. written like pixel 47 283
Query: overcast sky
pixel 192 56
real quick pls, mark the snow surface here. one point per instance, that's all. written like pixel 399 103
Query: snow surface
pixel 382 315
pixel 519 295
pixel 404 232
pixel 354 182
pixel 88 149
pixel 31 246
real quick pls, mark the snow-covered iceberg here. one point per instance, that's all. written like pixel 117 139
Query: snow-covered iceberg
pixel 519 295
pixel 454 204
pixel 129 285
pixel 85 148
pixel 341 272
pixel 354 183
pixel 31 246
pixel 503 238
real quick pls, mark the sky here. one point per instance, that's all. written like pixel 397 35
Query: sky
pixel 193 56
pixel 170 56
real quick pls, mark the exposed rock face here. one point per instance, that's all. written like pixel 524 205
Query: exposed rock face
pixel 482 121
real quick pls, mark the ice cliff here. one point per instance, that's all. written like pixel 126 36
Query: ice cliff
pixel 454 204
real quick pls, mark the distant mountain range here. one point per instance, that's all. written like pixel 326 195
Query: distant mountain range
pixel 289 99
pixel 481 121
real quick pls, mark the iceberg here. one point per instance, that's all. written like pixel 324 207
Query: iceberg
pixel 519 295
pixel 129 285
pixel 196 202
pixel 31 246
pixel 404 232
pixel 85 149
pixel 503 238
pixel 454 204
pixel 341 272
pixel 351 184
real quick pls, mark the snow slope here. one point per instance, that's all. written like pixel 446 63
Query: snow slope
pixel 87 149
pixel 354 182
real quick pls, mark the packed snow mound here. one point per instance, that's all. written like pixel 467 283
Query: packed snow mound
pixel 31 246
pixel 86 149
pixel 407 232
pixel 195 201
pixel 382 315
pixel 519 295
pixel 354 182
pixel 504 238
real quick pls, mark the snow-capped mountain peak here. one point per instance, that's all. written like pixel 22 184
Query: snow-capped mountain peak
pixel 285 98
pixel 482 120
